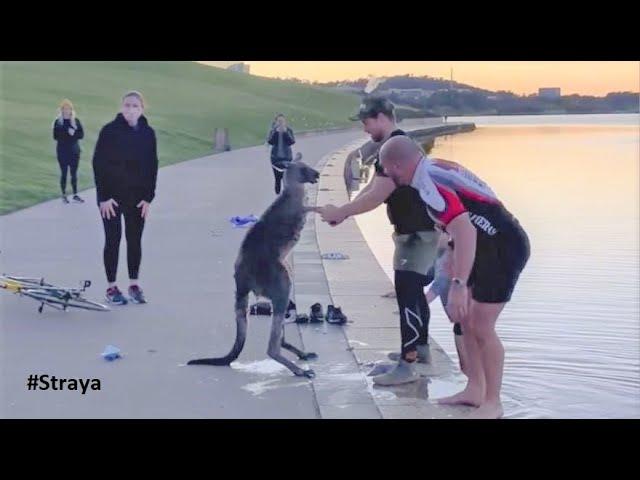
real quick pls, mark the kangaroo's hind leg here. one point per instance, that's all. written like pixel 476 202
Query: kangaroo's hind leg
pixel 278 292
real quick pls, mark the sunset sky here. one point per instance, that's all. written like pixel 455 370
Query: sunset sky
pixel 584 78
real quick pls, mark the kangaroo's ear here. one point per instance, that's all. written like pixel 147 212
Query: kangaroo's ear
pixel 298 157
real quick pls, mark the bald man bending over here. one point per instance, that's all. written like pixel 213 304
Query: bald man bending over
pixel 491 250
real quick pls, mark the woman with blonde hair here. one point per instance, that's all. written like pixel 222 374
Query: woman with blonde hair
pixel 67 131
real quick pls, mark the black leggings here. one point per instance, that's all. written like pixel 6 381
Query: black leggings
pixel 278 177
pixel 133 226
pixel 414 309
pixel 68 163
pixel 277 165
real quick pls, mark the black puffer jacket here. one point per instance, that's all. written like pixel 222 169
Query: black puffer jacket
pixel 67 144
pixel 287 138
pixel 125 162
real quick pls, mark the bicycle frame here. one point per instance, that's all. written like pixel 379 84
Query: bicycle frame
pixel 16 284
pixel 47 294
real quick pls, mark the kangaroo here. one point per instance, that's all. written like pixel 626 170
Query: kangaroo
pixel 261 267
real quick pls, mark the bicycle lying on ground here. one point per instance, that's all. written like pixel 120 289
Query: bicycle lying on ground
pixel 59 298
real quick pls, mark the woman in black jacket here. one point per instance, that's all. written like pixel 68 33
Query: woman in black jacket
pixel 280 138
pixel 67 130
pixel 125 166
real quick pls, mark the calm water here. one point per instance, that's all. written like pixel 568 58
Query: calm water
pixel 572 329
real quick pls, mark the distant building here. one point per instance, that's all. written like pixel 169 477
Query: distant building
pixel 348 88
pixel 239 67
pixel 549 93
pixel 407 92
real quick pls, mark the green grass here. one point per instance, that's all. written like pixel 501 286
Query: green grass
pixel 186 102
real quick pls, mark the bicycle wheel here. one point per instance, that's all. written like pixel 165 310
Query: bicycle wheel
pixel 64 303
pixel 80 302
pixel 45 299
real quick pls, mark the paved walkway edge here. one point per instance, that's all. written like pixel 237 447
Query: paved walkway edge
pixel 357 285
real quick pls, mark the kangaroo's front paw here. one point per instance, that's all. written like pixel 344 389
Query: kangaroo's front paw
pixel 306 373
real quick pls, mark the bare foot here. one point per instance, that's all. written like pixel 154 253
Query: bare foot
pixel 490 411
pixel 465 397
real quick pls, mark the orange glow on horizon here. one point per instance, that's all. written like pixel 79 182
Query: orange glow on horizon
pixel 584 78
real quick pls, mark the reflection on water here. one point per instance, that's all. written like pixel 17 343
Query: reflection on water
pixel 571 332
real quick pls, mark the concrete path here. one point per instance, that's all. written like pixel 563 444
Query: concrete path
pixel 189 248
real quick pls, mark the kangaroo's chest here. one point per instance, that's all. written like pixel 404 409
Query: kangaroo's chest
pixel 293 237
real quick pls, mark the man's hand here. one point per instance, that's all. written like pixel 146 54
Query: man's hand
pixel 71 131
pixel 145 208
pixel 458 302
pixel 332 215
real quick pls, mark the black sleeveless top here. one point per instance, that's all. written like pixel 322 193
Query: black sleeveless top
pixel 406 210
